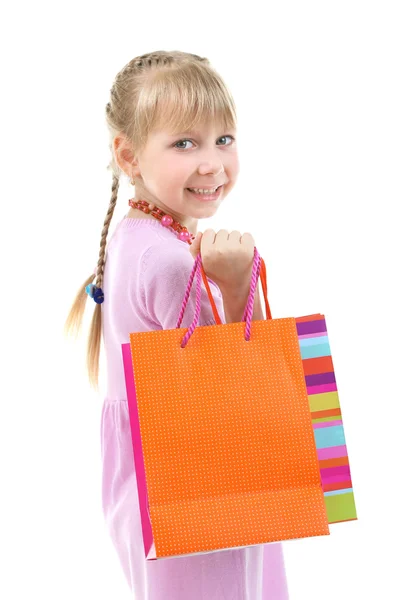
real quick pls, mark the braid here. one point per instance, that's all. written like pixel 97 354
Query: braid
pixel 160 58
pixel 104 233
pixel 144 62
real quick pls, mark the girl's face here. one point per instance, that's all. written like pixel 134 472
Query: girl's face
pixel 169 164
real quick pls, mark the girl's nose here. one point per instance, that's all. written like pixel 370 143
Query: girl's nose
pixel 214 169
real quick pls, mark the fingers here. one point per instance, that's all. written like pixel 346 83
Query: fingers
pixel 248 240
pixel 209 236
pixel 221 240
pixel 225 239
pixel 235 234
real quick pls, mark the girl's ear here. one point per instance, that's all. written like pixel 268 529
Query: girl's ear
pixel 125 157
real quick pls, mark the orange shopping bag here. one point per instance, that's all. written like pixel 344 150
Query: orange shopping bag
pixel 223 442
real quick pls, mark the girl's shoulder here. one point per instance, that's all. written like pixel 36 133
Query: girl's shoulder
pixel 167 256
pixel 164 276
pixel 166 263
pixel 150 237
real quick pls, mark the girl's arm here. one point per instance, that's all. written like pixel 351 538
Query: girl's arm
pixel 235 303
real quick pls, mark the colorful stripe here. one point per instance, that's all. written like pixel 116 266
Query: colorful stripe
pixel 320 402
pixel 329 436
pixel 332 413
pixel 327 487
pixel 338 492
pixel 334 462
pixel 326 416
pixel 335 452
pixel 326 423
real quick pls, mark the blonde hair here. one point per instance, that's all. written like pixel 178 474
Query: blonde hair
pixel 173 90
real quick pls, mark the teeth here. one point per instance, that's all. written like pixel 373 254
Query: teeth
pixel 201 191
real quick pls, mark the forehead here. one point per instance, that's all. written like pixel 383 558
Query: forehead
pixel 199 131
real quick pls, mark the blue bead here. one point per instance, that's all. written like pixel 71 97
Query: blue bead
pixel 89 289
pixel 98 296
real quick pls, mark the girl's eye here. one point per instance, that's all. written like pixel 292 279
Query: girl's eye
pixel 221 138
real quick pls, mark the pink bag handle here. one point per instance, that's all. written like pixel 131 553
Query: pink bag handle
pixel 197 270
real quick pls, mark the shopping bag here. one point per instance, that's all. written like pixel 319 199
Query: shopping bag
pixel 224 445
pixel 326 418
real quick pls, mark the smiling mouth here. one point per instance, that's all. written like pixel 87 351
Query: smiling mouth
pixel 208 189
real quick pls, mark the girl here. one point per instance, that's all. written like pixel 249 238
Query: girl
pixel 172 125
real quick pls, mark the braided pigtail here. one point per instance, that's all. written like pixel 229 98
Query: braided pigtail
pixel 73 322
pixel 94 341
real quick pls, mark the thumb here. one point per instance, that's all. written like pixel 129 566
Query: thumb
pixel 195 246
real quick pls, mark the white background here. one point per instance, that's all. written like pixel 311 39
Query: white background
pixel 317 90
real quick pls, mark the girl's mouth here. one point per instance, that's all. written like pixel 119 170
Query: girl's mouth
pixel 207 197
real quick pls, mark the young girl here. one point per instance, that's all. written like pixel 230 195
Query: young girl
pixel 172 125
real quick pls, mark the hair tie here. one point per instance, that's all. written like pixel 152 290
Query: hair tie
pixel 95 292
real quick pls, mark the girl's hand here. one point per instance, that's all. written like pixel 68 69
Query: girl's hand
pixel 227 258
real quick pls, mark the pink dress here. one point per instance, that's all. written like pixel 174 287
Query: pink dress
pixel 146 272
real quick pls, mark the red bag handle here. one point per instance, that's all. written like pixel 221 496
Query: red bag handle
pixel 263 277
pixel 258 267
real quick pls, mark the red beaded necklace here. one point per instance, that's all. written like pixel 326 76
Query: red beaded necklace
pixel 149 208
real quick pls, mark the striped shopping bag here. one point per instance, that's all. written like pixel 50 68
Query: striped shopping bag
pixel 326 418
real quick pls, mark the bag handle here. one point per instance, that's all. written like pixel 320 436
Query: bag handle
pixel 198 270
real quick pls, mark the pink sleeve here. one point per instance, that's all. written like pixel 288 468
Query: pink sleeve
pixel 164 276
